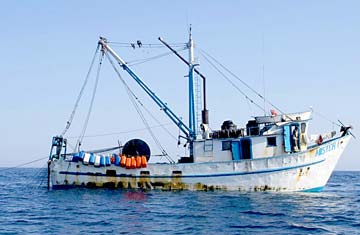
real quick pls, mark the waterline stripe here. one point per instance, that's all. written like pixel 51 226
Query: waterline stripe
pixel 193 176
pixel 313 190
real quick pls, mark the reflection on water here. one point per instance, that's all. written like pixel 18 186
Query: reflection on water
pixel 135 196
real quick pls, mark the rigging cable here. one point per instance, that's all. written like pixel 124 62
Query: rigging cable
pixel 232 83
pixel 68 123
pixel 122 132
pixel 24 164
pixel 325 118
pixel 239 79
pixel 147 110
pixel 104 150
pixel 81 137
pixel 141 61
pixel 41 173
pixel 136 62
pixel 71 146
pixel 146 45
pixel 133 99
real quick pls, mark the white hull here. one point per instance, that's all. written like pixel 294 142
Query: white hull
pixel 303 171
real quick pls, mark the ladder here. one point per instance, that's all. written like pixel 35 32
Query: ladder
pixel 198 101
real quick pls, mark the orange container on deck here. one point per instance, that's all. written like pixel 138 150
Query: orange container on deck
pixel 112 159
pixel 128 163
pixel 143 161
pixel 123 160
pixel 138 162
pixel 133 163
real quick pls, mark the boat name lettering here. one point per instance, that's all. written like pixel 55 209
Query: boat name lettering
pixel 325 149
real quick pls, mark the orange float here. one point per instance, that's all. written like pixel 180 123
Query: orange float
pixel 128 163
pixel 123 160
pixel 143 161
pixel 138 162
pixel 112 159
pixel 133 163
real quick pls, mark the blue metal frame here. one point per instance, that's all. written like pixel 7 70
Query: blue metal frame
pixel 235 149
pixel 59 143
pixel 192 119
pixel 185 129
pixel 287 138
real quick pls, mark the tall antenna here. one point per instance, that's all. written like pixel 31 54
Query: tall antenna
pixel 191 48
pixel 263 70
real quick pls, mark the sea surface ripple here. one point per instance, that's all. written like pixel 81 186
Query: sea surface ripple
pixel 27 207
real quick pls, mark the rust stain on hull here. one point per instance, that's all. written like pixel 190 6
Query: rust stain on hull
pixel 145 183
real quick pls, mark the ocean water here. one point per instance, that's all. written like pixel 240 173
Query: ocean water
pixel 27 207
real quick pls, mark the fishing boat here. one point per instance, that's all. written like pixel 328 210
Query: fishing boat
pixel 272 152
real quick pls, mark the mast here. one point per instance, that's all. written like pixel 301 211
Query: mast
pixel 204 112
pixel 192 115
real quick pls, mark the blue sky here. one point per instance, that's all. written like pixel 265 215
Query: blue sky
pixel 309 51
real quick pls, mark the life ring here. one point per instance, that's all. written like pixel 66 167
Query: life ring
pixel 319 140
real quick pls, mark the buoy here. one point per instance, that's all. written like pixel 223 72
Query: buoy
pixel 102 160
pixel 138 161
pixel 75 157
pixel 273 112
pixel 143 161
pixel 133 163
pixel 92 159
pixel 97 160
pixel 107 161
pixel 123 160
pixel 86 158
pixel 117 160
pixel 320 140
pixel 81 155
pixel 112 158
pixel 128 162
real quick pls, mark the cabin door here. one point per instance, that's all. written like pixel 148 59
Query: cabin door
pixel 291 143
pixel 287 139
pixel 235 149
pixel 241 149
pixel 246 148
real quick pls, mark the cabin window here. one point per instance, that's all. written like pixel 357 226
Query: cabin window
pixel 226 145
pixel 271 141
pixel 303 127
